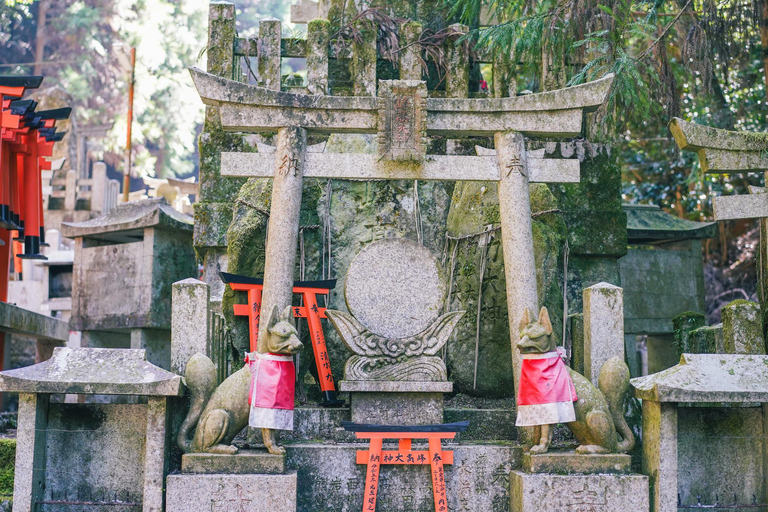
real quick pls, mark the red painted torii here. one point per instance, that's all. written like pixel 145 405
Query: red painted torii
pixel 26 140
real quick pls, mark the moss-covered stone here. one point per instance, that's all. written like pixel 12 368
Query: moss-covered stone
pixel 743 328
pixel 682 325
pixel 475 206
pixel 7 464
pixel 213 187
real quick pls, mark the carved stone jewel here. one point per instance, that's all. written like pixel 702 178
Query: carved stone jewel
pixel 395 292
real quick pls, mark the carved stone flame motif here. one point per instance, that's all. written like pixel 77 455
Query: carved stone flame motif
pixel 395 293
pixel 402 120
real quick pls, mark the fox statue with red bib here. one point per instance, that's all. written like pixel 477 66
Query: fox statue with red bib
pixel 551 393
pixel 259 394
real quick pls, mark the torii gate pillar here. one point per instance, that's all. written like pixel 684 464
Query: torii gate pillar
pixel 516 236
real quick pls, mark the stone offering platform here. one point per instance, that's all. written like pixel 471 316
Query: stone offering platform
pixel 562 462
pixel 245 462
pixel 543 492
pixel 396 402
pixel 219 492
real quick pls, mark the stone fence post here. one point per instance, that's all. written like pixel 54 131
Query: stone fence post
pixel 98 186
pixel 189 322
pixel 70 190
pixel 603 327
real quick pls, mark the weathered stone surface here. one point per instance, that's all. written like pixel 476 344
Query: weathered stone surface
pixel 554 113
pixel 568 462
pixel 743 328
pixel 370 167
pixel 121 222
pixel 708 378
pixel 743 206
pixel 721 150
pixel 660 454
pixel 477 480
pixel 14 319
pixel 189 322
pixel 269 53
pixel 475 206
pixel 419 368
pixel 557 493
pixel 710 337
pixel 683 324
pixel 402 130
pixel 245 462
pixel 395 288
pixel 93 371
pixel 603 327
pixel 245 493
pixel 397 408
pixel 720 454
pixel 318 39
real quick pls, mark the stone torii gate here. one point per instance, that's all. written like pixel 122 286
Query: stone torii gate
pixel 403 116
pixel 725 151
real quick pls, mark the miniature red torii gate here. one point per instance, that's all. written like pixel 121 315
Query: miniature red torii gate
pixel 374 457
pixel 309 290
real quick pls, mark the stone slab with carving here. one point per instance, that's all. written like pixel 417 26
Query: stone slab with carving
pixel 225 493
pixel 244 462
pixel 395 292
pixel 541 492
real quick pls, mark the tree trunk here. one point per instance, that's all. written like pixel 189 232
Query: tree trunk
pixel 40 36
pixel 764 41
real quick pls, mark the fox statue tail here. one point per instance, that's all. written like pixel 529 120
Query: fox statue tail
pixel 200 377
pixel 614 384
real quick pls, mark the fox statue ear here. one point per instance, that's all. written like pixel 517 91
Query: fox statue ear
pixel 287 315
pixel 274 318
pixel 526 319
pixel 544 320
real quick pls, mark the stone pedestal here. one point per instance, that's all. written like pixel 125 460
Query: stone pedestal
pixel 544 492
pixel 221 492
pixel 251 481
pixel 245 462
pixel 396 402
pixel 567 462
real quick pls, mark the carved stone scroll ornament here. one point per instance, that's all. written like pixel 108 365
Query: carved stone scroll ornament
pixel 380 358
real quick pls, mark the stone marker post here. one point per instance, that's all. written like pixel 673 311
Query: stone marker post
pixel 603 327
pixel 743 328
pixel 189 322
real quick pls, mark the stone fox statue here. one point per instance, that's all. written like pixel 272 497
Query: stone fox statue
pixel 598 412
pixel 223 412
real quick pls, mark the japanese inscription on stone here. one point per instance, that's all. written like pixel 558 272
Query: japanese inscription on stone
pixel 402 120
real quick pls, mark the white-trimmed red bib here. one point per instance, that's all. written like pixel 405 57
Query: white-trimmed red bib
pixel 273 381
pixel 546 392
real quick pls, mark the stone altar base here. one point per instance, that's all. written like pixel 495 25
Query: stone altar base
pixel 396 402
pixel 220 493
pixel 245 462
pixel 543 492
pixel 568 462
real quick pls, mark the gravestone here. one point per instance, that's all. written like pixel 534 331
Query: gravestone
pixel 395 293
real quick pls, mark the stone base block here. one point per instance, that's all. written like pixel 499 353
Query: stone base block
pixel 562 462
pixel 245 462
pixel 396 402
pixel 540 492
pixel 245 493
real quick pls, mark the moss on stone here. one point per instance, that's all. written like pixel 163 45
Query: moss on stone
pixel 7 464
pixel 682 325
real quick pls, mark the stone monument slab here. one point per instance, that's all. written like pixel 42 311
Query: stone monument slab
pixel 561 462
pixel 244 462
pixel 393 287
pixel 542 492
pixel 220 493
